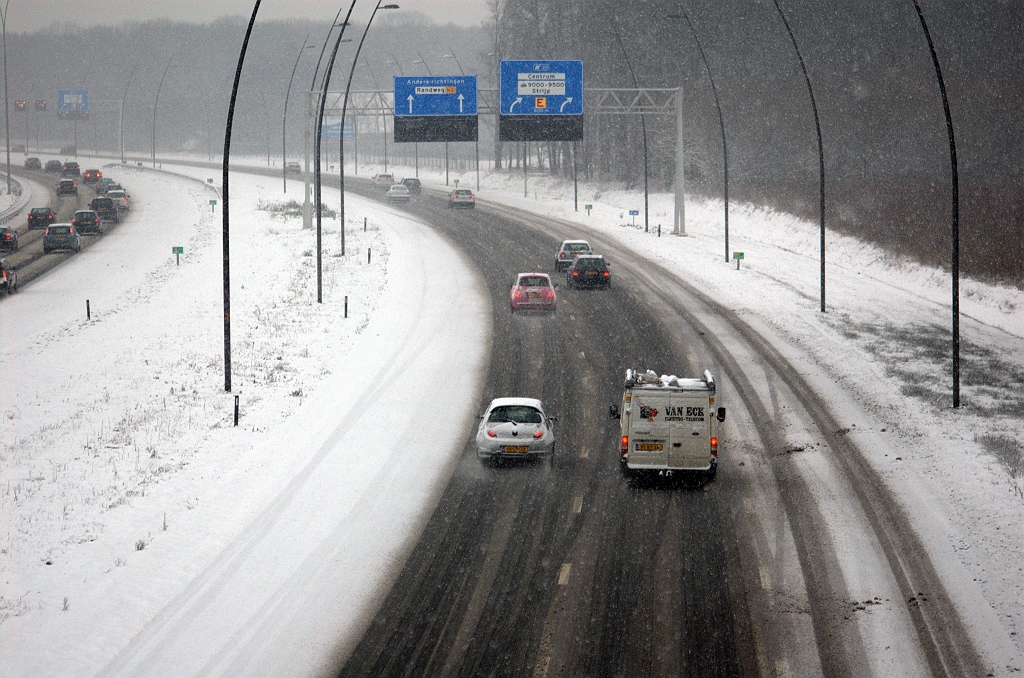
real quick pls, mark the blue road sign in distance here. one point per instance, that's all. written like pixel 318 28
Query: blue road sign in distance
pixel 634 213
pixel 72 100
pixel 435 95
pixel 542 88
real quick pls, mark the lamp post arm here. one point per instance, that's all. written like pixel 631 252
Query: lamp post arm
pixel 225 213
pixel 157 103
pixel 319 131
pixel 284 117
pixel 120 122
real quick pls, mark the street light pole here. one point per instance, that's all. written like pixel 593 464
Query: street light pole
pixel 225 213
pixel 7 122
pixel 120 116
pixel 319 133
pixel 721 123
pixel 157 103
pixel 643 121
pixel 284 117
pixel 344 108
pixel 821 153
pixel 955 204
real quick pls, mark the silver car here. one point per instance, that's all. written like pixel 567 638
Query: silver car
pixel 515 428
pixel 568 252
pixel 398 193
pixel 61 237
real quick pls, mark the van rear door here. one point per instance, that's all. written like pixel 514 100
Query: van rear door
pixel 649 434
pixel 690 434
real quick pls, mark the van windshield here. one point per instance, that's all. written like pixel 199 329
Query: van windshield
pixel 521 414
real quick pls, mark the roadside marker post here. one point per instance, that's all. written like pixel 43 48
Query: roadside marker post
pixel 588 208
pixel 88 312
pixel 177 252
pixel 236 410
pixel 737 256
pixel 213 206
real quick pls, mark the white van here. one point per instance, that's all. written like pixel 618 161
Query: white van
pixel 668 424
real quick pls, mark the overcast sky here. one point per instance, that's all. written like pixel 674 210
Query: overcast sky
pixel 31 15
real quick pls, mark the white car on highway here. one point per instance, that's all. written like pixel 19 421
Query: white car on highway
pixel 515 428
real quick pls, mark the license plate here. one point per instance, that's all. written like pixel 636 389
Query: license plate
pixel 532 294
pixel 515 449
pixel 591 272
pixel 649 447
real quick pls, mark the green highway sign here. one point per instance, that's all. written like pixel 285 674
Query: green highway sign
pixel 737 255
pixel 177 250
pixel 213 202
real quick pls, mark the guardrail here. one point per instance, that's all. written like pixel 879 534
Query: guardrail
pixel 23 197
pixel 142 168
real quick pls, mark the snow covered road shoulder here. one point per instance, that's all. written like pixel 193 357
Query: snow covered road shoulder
pixel 145 535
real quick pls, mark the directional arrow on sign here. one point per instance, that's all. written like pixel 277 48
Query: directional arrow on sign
pixel 568 100
pixel 518 100
pixel 460 102
pixel 411 97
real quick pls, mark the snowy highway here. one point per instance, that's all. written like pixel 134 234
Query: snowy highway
pixel 572 571
pixel 347 525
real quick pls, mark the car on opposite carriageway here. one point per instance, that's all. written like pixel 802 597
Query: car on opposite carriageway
pixel 414 185
pixel 61 237
pixel 462 197
pixel 120 198
pixel 8 277
pixel 71 169
pixel 40 217
pixel 67 187
pixel 86 221
pixel 8 239
pixel 106 208
pixel 33 163
pixel 54 166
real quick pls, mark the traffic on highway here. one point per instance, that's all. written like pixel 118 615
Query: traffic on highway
pixel 513 339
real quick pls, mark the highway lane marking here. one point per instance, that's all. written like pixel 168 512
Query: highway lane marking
pixel 583 355
pixel 766 579
pixel 584 453
pixel 541 670
pixel 563 574
pixel 577 503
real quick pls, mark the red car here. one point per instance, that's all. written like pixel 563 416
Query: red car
pixel 532 292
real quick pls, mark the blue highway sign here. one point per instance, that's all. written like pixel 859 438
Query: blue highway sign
pixel 541 88
pixel 435 95
pixel 72 100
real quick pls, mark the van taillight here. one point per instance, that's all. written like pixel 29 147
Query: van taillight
pixel 714 447
pixel 562 255
pixel 606 274
pixel 575 274
pixel 625 445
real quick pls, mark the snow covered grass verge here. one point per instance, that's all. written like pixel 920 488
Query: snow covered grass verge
pixel 885 341
pixel 124 484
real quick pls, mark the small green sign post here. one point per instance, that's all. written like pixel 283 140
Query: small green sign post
pixel 456 183
pixel 737 256
pixel 177 252
pixel 213 206
pixel 588 208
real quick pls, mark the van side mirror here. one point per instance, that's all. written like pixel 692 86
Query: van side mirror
pixel 553 418
pixel 721 414
pixel 613 412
